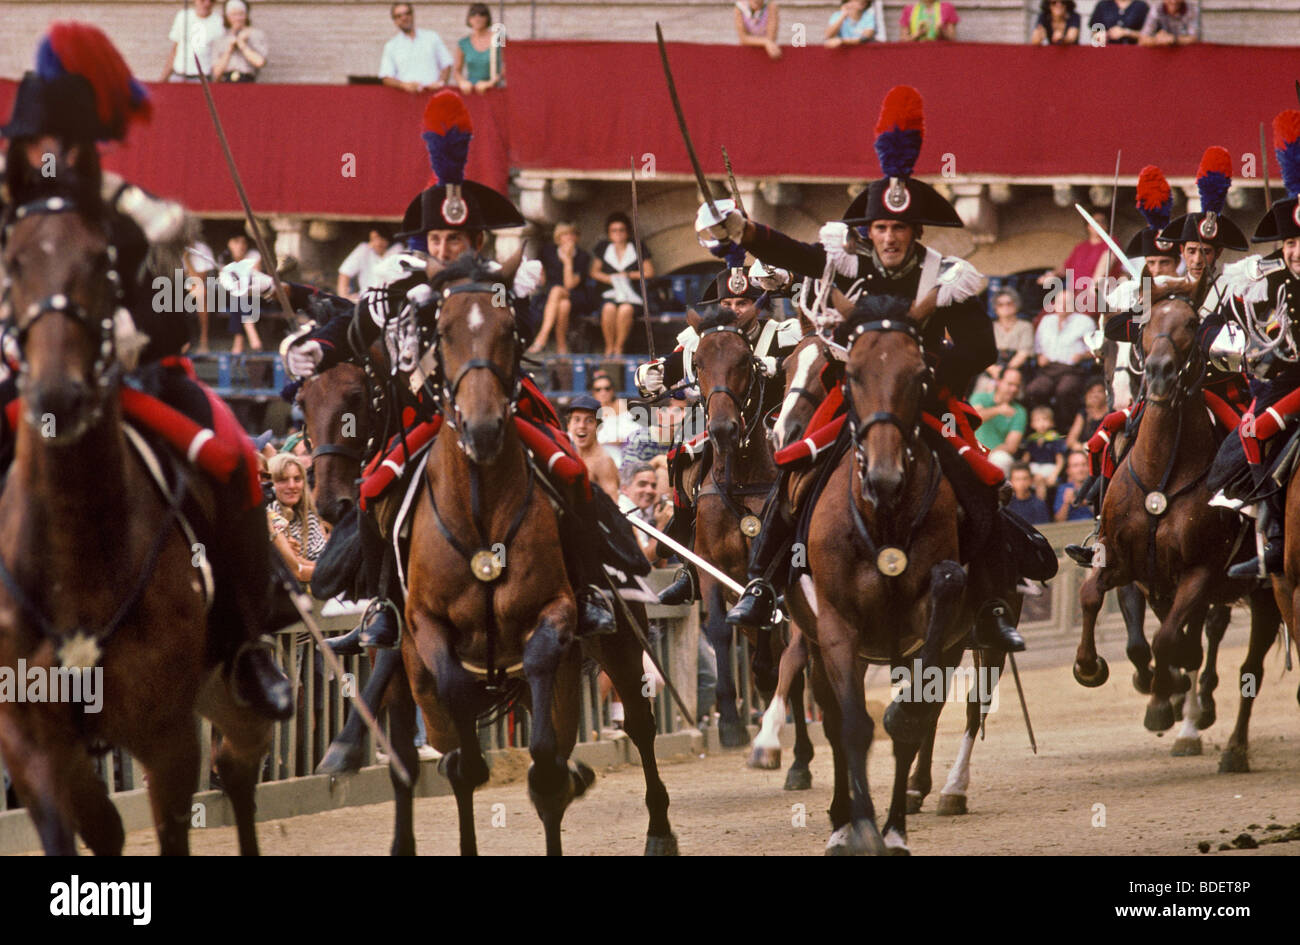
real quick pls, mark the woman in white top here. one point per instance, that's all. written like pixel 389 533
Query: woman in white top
pixel 243 48
pixel 614 263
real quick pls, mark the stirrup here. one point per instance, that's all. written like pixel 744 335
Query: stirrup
pixel 757 606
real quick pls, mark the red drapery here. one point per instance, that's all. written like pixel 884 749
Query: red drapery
pixel 1007 110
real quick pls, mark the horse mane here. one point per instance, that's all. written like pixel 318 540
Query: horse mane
pixel 470 266
pixel 871 308
pixel 1192 288
pixel 713 316
pixel 79 182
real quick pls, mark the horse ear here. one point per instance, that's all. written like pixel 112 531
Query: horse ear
pixel 693 318
pixel 922 309
pixel 841 303
pixel 805 327
pixel 512 264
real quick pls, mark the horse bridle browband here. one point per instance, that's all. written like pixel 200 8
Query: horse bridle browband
pixel 747 398
pixel 511 385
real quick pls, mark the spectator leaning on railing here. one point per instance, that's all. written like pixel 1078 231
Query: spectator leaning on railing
pixel 414 60
pixel 855 23
pixel 193 33
pixel 1171 23
pixel 296 530
pixel 1058 24
pixel 478 55
pixel 1121 19
pixel 922 22
pixel 758 23
pixel 242 50
pixel 361 262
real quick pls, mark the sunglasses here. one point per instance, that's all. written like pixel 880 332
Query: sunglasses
pixel 599 389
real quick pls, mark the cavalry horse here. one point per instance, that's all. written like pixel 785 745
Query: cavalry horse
pixel 736 395
pixel 1159 531
pixel 99 574
pixel 489 618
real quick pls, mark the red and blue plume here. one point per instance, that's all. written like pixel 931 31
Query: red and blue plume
pixel 731 253
pixel 899 131
pixel 81 49
pixel 1286 139
pixel 1213 178
pixel 447 131
pixel 1155 201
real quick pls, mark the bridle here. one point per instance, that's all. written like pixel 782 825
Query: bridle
pixel 1192 373
pixel 105 371
pixel 356 454
pixel 511 382
pixel 749 404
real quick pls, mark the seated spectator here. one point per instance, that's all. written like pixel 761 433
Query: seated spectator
pixel 923 22
pixel 200 265
pixel 361 262
pixel 657 437
pixel 242 50
pixel 615 264
pixel 414 60
pixel 1076 477
pixel 1058 24
pixel 1121 19
pixel 566 265
pixel 194 33
pixel 582 428
pixel 639 498
pixel 616 424
pixel 1171 23
pixel 1044 451
pixel 1087 420
pixel 856 22
pixel 296 530
pixel 1004 420
pixel 1064 359
pixel 239 250
pixel 1083 269
pixel 1024 502
pixel 758 23
pixel 478 64
pixel 1013 335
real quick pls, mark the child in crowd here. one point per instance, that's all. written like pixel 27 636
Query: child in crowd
pixel 1024 502
pixel 1087 420
pixel 1044 451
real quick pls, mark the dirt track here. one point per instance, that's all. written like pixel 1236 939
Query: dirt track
pixel 1092 750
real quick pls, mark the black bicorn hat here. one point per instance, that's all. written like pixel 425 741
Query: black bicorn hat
pixel 727 285
pixel 451 202
pixel 1282 220
pixel 1209 225
pixel 898 195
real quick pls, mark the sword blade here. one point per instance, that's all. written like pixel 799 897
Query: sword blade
pixel 1024 708
pixel 1134 271
pixel 1114 199
pixel 731 179
pixel 686 553
pixel 1263 159
pixel 640 266
pixel 681 124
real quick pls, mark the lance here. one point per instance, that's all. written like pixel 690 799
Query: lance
pixel 281 295
pixel 302 604
pixel 640 265
pixel 681 125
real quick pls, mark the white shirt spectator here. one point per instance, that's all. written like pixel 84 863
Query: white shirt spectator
pixel 420 58
pixel 1062 341
pixel 361 263
pixel 202 32
pixel 200 258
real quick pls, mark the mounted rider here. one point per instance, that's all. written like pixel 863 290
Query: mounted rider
pixel 451 219
pixel 748 295
pixel 875 250
pixel 80 93
pixel 1263 306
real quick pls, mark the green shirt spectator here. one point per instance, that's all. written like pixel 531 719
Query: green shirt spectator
pixel 1004 420
pixel 478 64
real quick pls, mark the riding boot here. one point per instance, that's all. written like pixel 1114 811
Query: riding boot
pixel 1268 524
pixel 380 627
pixel 258 683
pixel 1092 492
pixel 685 585
pixel 757 606
pixel 993 630
pixel 586 573
pixel 683 589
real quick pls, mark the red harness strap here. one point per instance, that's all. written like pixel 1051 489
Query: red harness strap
pixel 823 429
pixel 556 452
pixel 971 450
pixel 385 469
pixel 1258 427
pixel 1098 460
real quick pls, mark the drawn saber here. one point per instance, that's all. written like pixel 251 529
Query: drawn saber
pixel 681 125
pixel 1133 270
pixel 640 266
pixel 1024 707
pixel 731 180
pixel 1114 199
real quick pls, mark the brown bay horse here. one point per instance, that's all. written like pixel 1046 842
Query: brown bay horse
pixel 491 618
pixel 736 395
pixel 99 578
pixel 1159 532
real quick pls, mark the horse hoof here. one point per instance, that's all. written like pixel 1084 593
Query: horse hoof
pixel 1094 679
pixel 1234 761
pixel 896 844
pixel 914 801
pixel 768 759
pixel 583 778
pixel 341 759
pixel 798 779
pixel 951 805
pixel 733 734
pixel 860 838
pixel 1142 681
pixel 1159 717
pixel 1186 747
pixel 661 846
pixel 1208 715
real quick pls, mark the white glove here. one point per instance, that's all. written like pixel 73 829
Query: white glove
pixel 392 268
pixel 235 278
pixel 1126 296
pixel 834 237
pixel 1094 340
pixel 527 278
pixel 301 360
pixel 649 378
pixel 727 224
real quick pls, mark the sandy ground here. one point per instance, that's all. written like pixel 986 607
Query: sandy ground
pixel 1093 751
